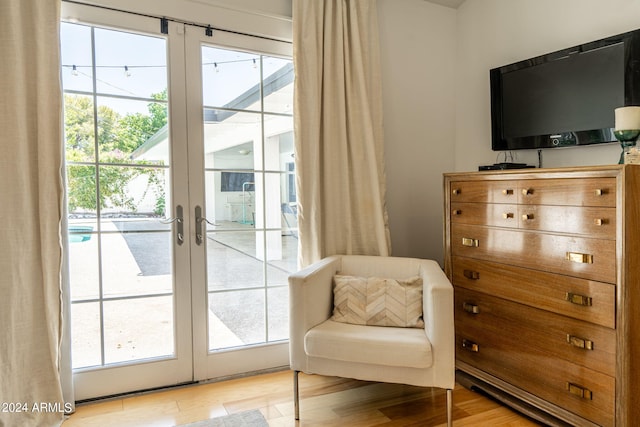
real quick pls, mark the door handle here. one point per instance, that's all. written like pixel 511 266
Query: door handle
pixel 179 225
pixel 199 224
pixel 199 220
pixel 179 220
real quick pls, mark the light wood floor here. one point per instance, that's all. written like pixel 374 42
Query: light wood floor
pixel 324 401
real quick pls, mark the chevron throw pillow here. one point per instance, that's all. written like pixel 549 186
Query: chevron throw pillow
pixel 376 301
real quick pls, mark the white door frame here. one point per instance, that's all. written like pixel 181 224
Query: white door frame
pixel 192 361
pixel 125 377
pixel 240 360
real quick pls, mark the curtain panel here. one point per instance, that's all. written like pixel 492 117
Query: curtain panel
pixel 338 129
pixel 30 213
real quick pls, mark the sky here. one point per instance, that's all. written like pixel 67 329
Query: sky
pixel 226 73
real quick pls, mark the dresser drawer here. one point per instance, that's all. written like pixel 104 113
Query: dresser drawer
pixel 593 259
pixel 515 344
pixel 494 214
pixel 563 191
pixel 595 222
pixel 557 336
pixel 568 192
pixel 484 191
pixel 581 299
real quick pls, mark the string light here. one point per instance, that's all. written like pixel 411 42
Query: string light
pixel 75 69
pixel 216 65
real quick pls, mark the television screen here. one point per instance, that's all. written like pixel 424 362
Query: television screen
pixel 236 181
pixel 565 98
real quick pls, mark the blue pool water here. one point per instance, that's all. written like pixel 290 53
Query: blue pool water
pixel 79 233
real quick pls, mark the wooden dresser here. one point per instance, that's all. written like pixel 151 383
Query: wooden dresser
pixel 546 269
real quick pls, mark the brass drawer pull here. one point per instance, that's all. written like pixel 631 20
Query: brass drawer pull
pixel 579 391
pixel 600 221
pixel 456 212
pixel 579 299
pixel 600 191
pixel 527 191
pixel 472 275
pixel 527 217
pixel 474 243
pixel 470 308
pixel 508 215
pixel 580 342
pixel 507 192
pixel 456 191
pixel 579 258
pixel 470 345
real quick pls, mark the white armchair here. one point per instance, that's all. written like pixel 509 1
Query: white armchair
pixel 415 356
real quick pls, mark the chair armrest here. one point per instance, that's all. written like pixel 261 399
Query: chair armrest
pixel 438 313
pixel 310 303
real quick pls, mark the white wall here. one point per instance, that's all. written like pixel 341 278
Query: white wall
pixel 492 33
pixel 418 45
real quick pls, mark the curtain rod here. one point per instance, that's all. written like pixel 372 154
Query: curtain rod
pixel 164 22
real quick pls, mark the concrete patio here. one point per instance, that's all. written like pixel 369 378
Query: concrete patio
pixel 137 290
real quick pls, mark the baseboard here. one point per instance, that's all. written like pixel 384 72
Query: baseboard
pixel 477 385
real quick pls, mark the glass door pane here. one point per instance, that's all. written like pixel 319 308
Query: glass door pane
pixel 121 234
pixel 251 234
pixel 117 195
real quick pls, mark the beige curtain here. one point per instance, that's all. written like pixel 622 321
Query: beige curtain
pixel 338 129
pixel 30 213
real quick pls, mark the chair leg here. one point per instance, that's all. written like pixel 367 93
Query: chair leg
pixel 296 396
pixel 449 407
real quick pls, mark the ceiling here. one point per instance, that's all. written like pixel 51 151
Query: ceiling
pixel 449 3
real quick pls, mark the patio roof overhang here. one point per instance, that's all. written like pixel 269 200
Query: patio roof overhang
pixel 211 116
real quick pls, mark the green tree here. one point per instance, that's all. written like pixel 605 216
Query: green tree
pixel 118 136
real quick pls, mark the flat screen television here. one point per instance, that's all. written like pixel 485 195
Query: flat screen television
pixel 236 181
pixel 565 98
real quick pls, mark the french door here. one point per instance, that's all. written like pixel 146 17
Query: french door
pixel 181 201
pixel 242 188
